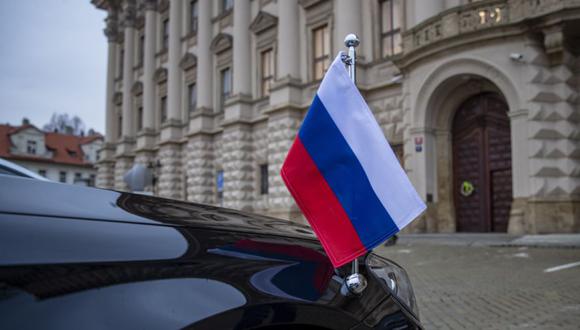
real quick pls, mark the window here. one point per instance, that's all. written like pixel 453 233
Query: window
pixel 391 21
pixel 165 40
pixel 321 55
pixel 193 12
pixel 163 108
pixel 220 187
pixel 121 63
pixel 92 179
pixel 267 71
pixel 263 179
pixel 141 49
pixel 192 93
pixel 78 177
pixel 139 118
pixel 42 172
pixel 31 147
pixel 226 85
pixel 227 5
pixel 120 126
pixel 62 176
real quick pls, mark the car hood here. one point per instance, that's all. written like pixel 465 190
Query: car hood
pixel 22 196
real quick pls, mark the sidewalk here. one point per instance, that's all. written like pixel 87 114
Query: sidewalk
pixel 492 239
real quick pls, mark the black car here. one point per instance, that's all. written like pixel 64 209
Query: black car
pixel 75 257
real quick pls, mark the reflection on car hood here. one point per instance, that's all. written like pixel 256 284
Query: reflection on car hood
pixel 70 201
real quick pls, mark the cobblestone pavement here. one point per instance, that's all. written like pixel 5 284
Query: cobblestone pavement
pixel 485 287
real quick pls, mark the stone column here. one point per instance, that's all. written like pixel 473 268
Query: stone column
pixel 288 63
pixel 128 128
pixel 204 56
pixel 105 177
pixel 200 148
pixel 149 66
pixel 145 152
pixel 241 70
pixel 170 153
pixel 348 20
pixel 174 71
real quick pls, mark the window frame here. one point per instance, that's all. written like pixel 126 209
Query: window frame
pixel 392 32
pixel 264 179
pixel 224 95
pixel 31 146
pixel 165 34
pixel 192 96
pixel 322 58
pixel 193 16
pixel 269 79
pixel 163 109
pixel 62 176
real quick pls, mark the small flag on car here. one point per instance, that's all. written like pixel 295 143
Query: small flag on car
pixel 344 175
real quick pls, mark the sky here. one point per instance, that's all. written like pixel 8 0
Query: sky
pixel 53 58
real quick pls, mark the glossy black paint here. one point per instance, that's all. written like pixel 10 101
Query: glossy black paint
pixel 75 257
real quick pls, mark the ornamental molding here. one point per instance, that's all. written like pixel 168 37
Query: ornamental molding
pixel 111 30
pixel 118 98
pixel 263 22
pixel 160 75
pixel 221 43
pixel 150 4
pixel 137 88
pixel 188 61
pixel 309 3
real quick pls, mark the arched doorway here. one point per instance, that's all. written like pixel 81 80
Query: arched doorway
pixel 482 171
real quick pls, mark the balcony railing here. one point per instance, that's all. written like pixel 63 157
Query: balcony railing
pixel 477 16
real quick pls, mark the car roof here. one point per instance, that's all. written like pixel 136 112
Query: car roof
pixel 53 199
pixel 15 169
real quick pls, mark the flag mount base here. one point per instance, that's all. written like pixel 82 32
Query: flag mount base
pixel 355 283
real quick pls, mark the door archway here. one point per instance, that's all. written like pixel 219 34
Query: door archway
pixel 482 171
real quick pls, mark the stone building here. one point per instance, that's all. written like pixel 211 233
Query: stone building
pixel 479 99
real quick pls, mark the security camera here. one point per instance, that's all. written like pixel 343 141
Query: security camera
pixel 517 57
pixel 397 79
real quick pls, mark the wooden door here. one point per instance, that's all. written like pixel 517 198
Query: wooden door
pixel 482 175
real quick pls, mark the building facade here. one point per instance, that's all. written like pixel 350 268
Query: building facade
pixel 59 157
pixel 479 99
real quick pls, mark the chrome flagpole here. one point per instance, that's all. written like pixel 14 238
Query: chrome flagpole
pixel 355 282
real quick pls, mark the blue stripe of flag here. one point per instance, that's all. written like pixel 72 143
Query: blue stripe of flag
pixel 345 176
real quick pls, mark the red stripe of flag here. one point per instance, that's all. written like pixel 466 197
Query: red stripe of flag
pixel 320 206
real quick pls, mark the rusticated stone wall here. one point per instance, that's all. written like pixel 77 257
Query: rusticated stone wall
pixel 282 129
pixel 260 140
pixel 554 147
pixel 147 159
pixel 171 171
pixel 199 158
pixel 106 175
pixel 238 167
pixel 122 166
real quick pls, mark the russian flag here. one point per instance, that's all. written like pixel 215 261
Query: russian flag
pixel 344 175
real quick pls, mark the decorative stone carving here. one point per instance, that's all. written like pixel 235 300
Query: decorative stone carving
pixel 160 75
pixel 137 88
pixel 112 27
pixel 129 14
pixel 188 61
pixel 150 4
pixel 263 22
pixel 118 98
pixel 221 43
